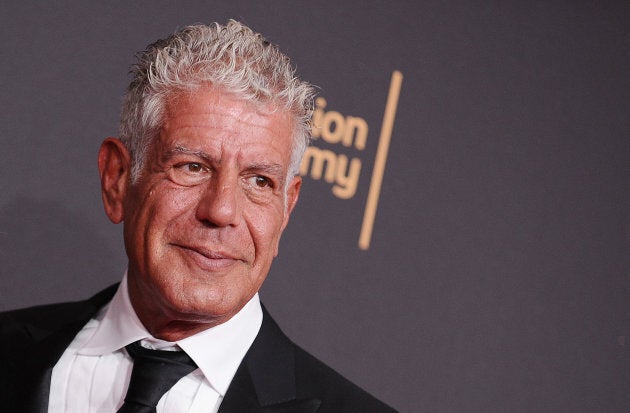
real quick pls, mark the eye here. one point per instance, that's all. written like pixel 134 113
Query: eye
pixel 193 167
pixel 189 173
pixel 261 181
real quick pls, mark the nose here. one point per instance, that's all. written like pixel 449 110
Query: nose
pixel 219 205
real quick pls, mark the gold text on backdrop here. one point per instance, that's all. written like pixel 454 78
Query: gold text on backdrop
pixel 343 170
pixel 334 128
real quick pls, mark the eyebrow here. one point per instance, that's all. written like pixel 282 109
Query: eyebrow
pixel 179 149
pixel 271 169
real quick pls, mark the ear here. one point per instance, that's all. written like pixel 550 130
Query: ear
pixel 114 164
pixel 293 193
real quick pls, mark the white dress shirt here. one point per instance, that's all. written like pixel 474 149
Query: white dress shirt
pixel 93 373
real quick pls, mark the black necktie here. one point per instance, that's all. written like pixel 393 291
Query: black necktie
pixel 154 373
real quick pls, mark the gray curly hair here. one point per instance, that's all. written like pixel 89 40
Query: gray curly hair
pixel 231 57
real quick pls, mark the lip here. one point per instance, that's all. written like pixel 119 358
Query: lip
pixel 208 260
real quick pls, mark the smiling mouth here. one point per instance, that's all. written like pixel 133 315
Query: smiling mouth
pixel 208 260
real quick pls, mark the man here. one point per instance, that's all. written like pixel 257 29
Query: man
pixel 204 177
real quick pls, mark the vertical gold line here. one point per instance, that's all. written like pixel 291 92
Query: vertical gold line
pixel 381 158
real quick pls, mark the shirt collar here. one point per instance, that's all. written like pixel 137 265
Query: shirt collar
pixel 218 351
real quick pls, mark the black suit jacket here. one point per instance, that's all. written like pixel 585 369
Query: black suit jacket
pixel 276 376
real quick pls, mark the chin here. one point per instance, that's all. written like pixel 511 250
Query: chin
pixel 206 305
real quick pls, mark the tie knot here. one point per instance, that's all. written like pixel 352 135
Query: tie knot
pixel 154 373
pixel 143 354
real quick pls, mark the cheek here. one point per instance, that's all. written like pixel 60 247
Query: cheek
pixel 165 212
pixel 180 200
pixel 265 229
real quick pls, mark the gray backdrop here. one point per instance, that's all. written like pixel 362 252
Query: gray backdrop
pixel 497 275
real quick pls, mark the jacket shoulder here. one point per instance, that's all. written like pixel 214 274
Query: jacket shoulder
pixel 338 394
pixel 22 327
pixel 281 373
pixel 19 328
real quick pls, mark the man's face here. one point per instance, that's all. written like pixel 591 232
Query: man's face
pixel 203 222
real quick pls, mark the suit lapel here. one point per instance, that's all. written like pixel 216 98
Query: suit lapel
pixel 265 381
pixel 48 348
pixel 38 369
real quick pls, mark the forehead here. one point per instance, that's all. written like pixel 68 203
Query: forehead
pixel 208 119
